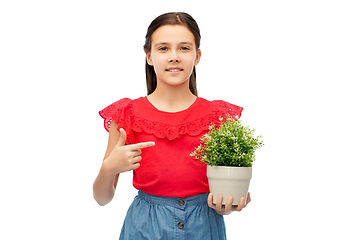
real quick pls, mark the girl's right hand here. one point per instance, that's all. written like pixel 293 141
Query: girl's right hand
pixel 123 157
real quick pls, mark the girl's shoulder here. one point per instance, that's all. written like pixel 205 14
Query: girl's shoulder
pixel 117 111
pixel 222 107
pixel 122 113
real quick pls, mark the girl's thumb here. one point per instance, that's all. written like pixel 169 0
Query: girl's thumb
pixel 122 138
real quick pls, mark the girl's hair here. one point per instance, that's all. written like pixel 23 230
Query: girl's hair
pixel 172 18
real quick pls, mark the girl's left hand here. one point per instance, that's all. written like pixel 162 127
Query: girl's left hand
pixel 228 207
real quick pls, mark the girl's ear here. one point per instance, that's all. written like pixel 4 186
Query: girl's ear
pixel 198 56
pixel 149 59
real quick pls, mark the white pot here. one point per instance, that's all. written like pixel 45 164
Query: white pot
pixel 229 181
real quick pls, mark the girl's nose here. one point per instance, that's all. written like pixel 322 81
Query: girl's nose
pixel 174 57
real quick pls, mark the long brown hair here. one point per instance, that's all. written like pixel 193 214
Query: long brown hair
pixel 171 18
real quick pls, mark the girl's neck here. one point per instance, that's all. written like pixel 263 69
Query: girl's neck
pixel 172 99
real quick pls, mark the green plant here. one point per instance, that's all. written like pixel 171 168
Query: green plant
pixel 229 145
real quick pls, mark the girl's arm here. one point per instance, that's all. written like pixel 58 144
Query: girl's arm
pixel 118 158
pixel 105 183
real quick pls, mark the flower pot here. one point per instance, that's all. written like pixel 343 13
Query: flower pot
pixel 229 181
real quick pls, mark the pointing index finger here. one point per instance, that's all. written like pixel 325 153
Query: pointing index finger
pixel 142 145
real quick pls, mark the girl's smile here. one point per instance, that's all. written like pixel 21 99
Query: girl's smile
pixel 174 70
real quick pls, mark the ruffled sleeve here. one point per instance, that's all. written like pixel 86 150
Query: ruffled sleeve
pixel 222 109
pixel 122 113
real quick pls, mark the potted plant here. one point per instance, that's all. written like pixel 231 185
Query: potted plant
pixel 229 152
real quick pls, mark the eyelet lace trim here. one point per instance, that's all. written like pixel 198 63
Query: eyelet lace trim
pixel 161 130
pixel 122 113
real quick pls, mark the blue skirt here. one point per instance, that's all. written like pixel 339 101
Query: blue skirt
pixel 152 217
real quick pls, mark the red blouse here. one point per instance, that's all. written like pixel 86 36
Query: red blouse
pixel 167 168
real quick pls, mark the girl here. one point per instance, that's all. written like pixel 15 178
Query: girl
pixel 154 135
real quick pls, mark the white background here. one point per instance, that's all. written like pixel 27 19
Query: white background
pixel 292 65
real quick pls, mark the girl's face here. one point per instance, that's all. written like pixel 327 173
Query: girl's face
pixel 173 54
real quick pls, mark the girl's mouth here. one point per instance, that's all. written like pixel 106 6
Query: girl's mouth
pixel 174 70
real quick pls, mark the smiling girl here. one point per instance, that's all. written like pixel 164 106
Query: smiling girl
pixel 154 135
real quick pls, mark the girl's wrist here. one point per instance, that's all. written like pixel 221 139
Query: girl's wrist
pixel 107 169
pixel 222 212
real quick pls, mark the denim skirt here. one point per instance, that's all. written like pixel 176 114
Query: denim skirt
pixel 153 218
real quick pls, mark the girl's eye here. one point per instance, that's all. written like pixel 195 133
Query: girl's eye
pixel 163 49
pixel 184 48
